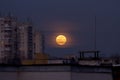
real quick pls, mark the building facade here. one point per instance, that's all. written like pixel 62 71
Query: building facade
pixel 18 40
pixel 38 42
pixel 8 39
pixel 25 33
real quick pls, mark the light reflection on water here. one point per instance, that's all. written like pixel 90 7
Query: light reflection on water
pixel 55 73
pixel 54 76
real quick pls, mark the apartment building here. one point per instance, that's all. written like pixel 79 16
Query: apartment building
pixel 25 43
pixel 8 45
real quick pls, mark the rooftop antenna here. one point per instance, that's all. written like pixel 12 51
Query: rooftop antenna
pixel 95 34
pixel 0 14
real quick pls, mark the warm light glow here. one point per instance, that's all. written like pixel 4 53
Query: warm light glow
pixel 61 40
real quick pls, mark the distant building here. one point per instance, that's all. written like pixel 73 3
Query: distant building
pixel 19 41
pixel 38 59
pixel 8 39
pixel 38 42
pixel 25 42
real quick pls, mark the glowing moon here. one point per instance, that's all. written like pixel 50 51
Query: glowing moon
pixel 61 40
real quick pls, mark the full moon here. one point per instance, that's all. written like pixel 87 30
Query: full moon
pixel 61 40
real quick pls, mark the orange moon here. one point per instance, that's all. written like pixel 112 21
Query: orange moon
pixel 61 40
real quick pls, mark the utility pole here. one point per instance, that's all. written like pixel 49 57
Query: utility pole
pixel 95 34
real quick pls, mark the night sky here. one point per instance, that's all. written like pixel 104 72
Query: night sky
pixel 73 18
